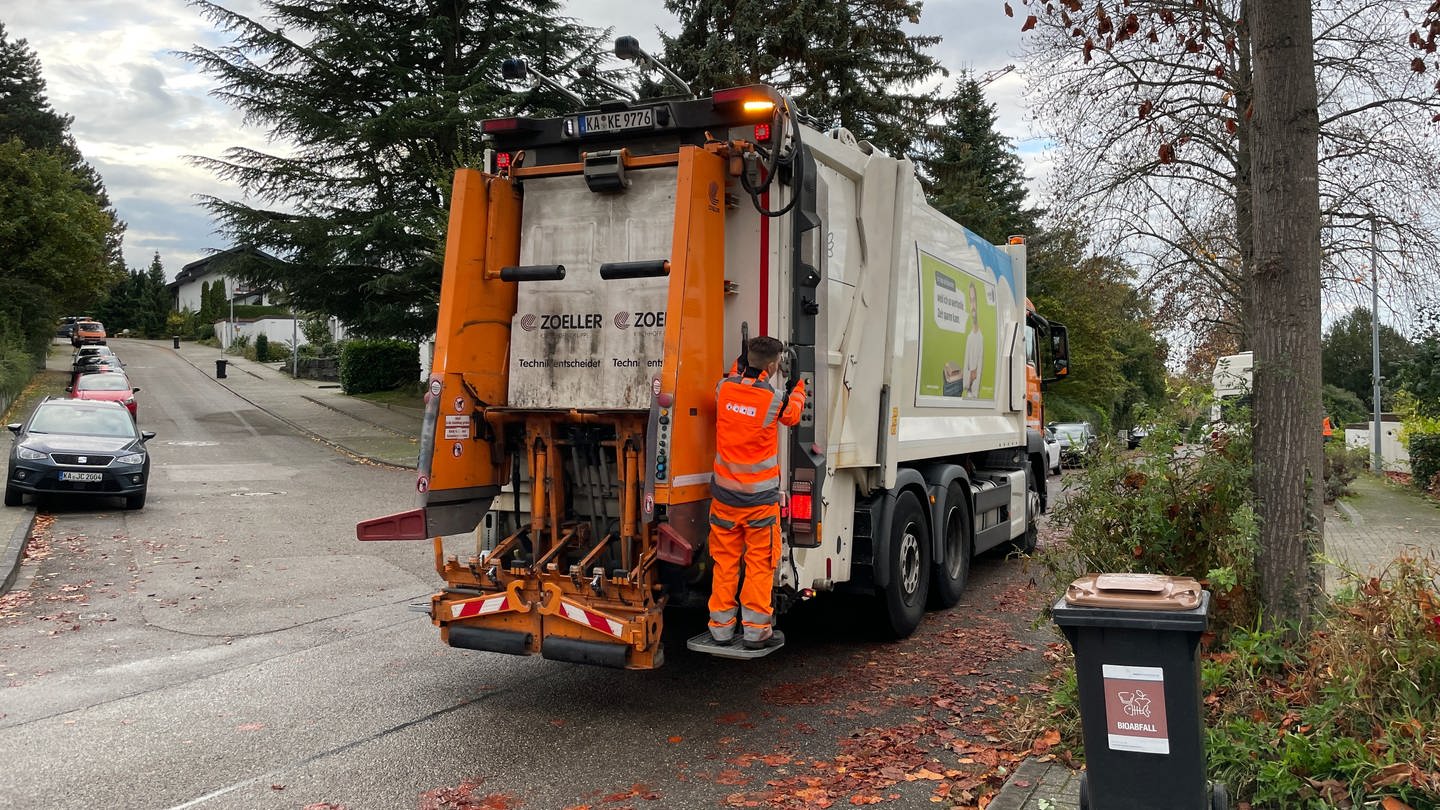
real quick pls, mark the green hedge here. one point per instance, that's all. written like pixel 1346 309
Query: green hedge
pixel 256 311
pixel 16 368
pixel 262 348
pixel 1425 459
pixel 378 365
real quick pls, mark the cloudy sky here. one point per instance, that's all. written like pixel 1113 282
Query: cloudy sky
pixel 139 110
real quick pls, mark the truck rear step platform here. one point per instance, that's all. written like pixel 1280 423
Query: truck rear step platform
pixel 704 643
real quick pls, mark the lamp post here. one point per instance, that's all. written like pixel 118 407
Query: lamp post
pixel 231 330
pixel 1376 464
pixel 294 344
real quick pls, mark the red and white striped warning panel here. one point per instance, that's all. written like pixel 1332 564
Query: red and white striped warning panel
pixel 580 615
pixel 480 607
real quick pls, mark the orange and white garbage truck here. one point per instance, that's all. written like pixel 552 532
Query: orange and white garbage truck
pixel 601 272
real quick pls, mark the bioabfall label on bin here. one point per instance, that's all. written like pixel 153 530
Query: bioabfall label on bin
pixel 1135 709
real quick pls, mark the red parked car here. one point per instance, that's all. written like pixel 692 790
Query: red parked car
pixel 111 386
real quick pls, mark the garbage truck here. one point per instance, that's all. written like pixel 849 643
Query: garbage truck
pixel 601 272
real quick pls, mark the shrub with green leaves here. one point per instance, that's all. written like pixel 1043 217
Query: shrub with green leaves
pixel 1182 506
pixel 1425 461
pixel 378 365
pixel 1342 465
pixel 16 368
pixel 1344 720
pixel 262 348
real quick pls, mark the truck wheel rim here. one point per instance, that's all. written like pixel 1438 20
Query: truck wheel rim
pixel 910 560
pixel 954 544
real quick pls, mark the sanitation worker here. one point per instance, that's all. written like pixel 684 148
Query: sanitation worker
pixel 1327 431
pixel 745 494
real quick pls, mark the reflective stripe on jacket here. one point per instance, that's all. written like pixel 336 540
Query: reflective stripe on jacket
pixel 749 413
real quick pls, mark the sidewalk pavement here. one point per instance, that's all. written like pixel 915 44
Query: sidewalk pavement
pixel 1363 533
pixel 377 433
pixel 374 432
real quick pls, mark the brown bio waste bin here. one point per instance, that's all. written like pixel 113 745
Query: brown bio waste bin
pixel 1137 667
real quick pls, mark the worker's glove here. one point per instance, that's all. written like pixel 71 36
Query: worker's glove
pixel 797 384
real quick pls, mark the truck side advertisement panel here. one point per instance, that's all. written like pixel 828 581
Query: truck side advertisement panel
pixel 958 335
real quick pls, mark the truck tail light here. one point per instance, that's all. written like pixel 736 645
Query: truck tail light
pixel 514 124
pixel 762 133
pixel 751 102
pixel 502 161
pixel 801 506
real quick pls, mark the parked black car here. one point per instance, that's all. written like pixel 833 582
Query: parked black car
pixel 76 447
pixel 94 358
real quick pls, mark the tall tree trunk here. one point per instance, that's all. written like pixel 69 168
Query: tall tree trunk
pixel 1286 309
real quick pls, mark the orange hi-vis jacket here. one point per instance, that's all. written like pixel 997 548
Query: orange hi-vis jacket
pixel 749 413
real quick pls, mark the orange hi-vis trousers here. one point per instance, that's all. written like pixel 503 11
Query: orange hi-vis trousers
pixel 751 533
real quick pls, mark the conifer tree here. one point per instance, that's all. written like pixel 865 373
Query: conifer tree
pixel 970 170
pixel 372 105
pixel 845 62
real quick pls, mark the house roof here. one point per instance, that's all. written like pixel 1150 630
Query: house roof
pixel 211 264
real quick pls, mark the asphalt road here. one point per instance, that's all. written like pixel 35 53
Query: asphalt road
pixel 232 646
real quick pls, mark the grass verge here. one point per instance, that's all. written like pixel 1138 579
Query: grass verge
pixel 408 397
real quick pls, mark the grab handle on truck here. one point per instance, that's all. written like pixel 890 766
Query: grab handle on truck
pixel 533 272
pixel 653 268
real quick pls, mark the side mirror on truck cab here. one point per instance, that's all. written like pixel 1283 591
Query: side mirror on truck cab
pixel 1059 351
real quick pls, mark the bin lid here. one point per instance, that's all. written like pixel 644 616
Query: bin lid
pixel 1135 592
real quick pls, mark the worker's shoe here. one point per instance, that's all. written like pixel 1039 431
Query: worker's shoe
pixel 771 639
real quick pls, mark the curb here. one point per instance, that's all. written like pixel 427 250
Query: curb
pixel 1036 784
pixel 298 427
pixel 369 422
pixel 15 551
pixel 1350 513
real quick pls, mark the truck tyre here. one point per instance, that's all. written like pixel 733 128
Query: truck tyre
pixel 909 550
pixel 949 575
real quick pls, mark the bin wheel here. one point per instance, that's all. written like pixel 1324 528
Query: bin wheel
pixel 1084 792
pixel 1219 796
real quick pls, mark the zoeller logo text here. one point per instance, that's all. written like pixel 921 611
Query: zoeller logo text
pixel 745 410
pixel 530 322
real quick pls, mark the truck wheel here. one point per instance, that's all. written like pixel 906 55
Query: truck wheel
pixel 949 575
pixel 909 551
